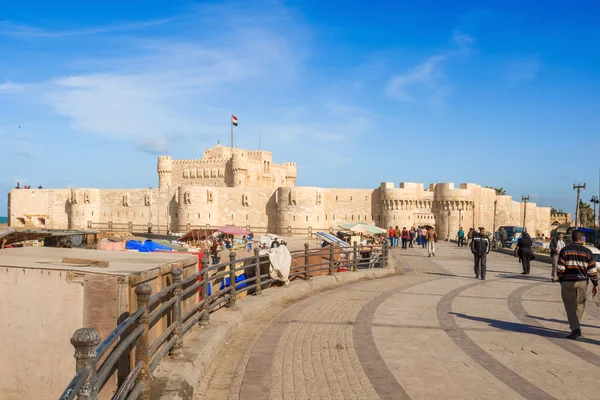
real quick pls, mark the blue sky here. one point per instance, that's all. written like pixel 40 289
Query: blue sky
pixel 357 93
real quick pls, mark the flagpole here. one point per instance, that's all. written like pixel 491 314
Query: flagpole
pixel 259 138
pixel 232 131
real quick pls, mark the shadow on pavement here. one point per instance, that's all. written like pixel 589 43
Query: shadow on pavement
pixel 560 321
pixel 524 328
pixel 525 278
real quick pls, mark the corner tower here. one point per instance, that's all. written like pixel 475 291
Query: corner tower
pixel 165 171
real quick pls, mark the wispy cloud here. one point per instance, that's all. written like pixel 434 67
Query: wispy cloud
pixel 175 83
pixel 423 80
pixel 426 73
pixel 153 146
pixel 520 71
pixel 10 29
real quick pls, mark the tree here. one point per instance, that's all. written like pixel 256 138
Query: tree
pixel 499 191
pixel 586 215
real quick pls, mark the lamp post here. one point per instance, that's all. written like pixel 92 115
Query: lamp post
pixel 494 231
pixel 578 187
pixel 448 237
pixel 149 209
pixel 525 199
pixel 594 201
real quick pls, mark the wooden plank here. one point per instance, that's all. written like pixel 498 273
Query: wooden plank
pixel 85 263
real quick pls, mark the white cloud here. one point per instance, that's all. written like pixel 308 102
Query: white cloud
pixel 423 80
pixel 176 83
pixel 154 146
pixel 25 31
pixel 426 73
pixel 520 71
pixel 461 39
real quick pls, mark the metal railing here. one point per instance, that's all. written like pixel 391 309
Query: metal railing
pixel 96 359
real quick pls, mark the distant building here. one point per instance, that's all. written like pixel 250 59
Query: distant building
pixel 242 187
pixel 560 219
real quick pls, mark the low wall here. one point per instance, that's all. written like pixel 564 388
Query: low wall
pixel 179 378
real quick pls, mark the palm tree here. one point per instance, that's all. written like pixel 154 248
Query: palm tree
pixel 586 215
pixel 499 191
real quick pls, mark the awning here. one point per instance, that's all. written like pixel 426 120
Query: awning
pixel 233 230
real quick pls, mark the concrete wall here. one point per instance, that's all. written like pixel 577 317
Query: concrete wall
pixel 40 311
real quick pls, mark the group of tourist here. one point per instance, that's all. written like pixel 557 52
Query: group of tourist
pixel 573 265
pixel 424 236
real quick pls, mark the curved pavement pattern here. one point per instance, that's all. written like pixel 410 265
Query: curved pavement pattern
pixel 435 332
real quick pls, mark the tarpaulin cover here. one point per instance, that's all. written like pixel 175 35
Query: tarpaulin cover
pixel 147 247
pixel 225 282
pixel 233 230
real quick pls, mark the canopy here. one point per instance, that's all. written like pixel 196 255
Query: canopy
pixel 233 230
pixel 363 228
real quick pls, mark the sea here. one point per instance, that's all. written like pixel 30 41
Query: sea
pixel 3 220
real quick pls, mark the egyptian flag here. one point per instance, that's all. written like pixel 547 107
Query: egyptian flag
pixel 233 120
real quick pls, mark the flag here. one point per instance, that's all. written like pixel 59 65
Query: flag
pixel 233 120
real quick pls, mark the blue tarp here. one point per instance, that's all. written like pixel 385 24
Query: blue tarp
pixel 147 247
pixel 240 278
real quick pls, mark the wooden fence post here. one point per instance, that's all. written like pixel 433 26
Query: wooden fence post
pixel 143 292
pixel 306 271
pixel 331 258
pixel 257 272
pixel 355 266
pixel 205 320
pixel 85 341
pixel 232 288
pixel 177 349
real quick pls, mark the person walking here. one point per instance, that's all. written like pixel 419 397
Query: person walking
pixel 480 247
pixel 391 236
pixel 412 234
pixel 397 234
pixel 461 237
pixel 503 237
pixel 525 252
pixel 431 237
pixel 470 237
pixel 405 237
pixel 556 245
pixel 576 266
pixel 423 237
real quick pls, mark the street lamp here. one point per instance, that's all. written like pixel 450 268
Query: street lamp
pixel 495 204
pixel 448 237
pixel 594 201
pixel 525 199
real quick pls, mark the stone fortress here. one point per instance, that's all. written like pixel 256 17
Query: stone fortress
pixel 242 187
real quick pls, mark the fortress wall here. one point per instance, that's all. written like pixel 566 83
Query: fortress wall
pixel 201 173
pixel 50 202
pixel 254 207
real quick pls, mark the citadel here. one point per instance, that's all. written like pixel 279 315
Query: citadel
pixel 242 187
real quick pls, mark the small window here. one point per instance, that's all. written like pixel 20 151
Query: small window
pixel 307 218
pixel 293 218
pixel 198 215
pixel 359 217
pixel 208 215
pixel 177 215
pixel 317 218
pixel 246 217
pixel 350 198
pixel 325 217
pixel 336 198
pixel 366 197
pixel 92 213
pixel 333 217
pixel 352 217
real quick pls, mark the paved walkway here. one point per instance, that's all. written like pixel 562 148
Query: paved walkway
pixel 433 333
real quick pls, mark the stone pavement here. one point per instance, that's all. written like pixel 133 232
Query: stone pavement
pixel 435 332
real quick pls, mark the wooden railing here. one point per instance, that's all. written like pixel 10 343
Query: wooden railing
pixel 97 359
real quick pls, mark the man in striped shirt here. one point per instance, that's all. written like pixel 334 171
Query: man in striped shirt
pixel 576 265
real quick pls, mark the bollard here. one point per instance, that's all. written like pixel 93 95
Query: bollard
pixel 205 320
pixel 331 261
pixel 232 288
pixel 355 264
pixel 85 341
pixel 143 292
pixel 257 272
pixel 177 349
pixel 306 271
